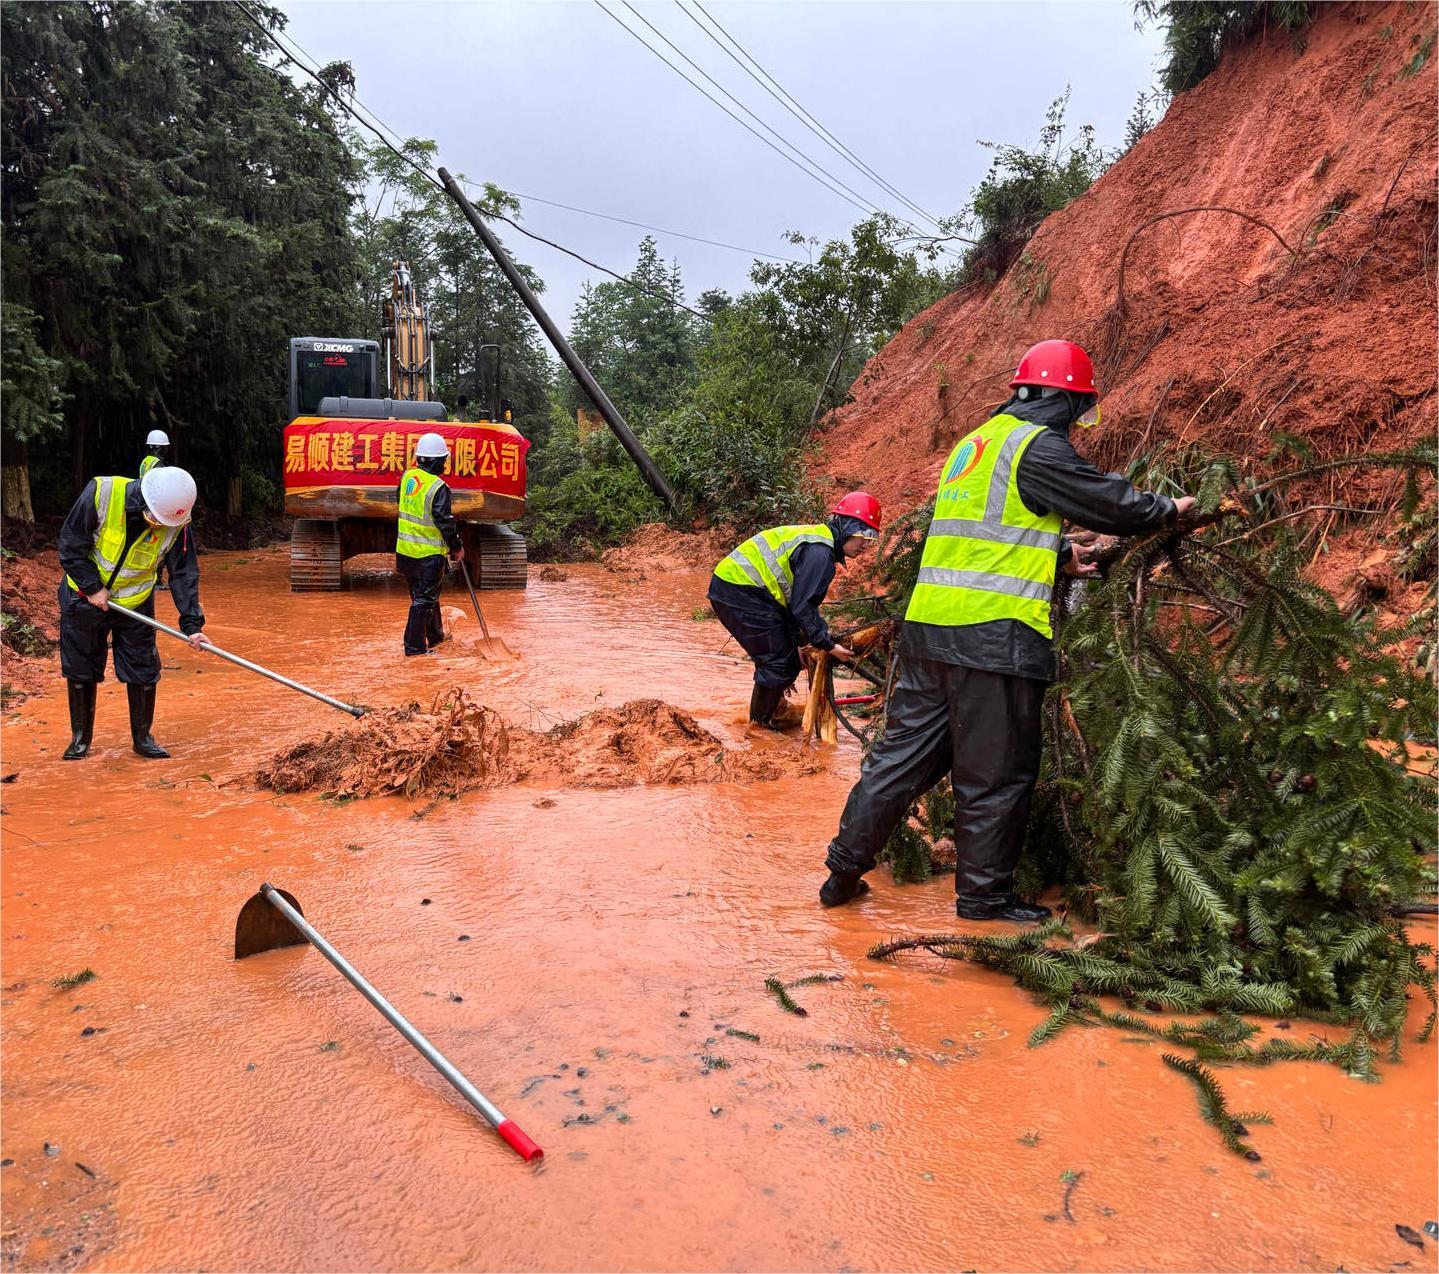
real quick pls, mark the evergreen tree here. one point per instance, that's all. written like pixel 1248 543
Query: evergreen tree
pixel 1226 794
pixel 173 208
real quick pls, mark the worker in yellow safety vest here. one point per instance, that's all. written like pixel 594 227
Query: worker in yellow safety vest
pixel 767 592
pixel 976 654
pixel 114 541
pixel 157 450
pixel 426 533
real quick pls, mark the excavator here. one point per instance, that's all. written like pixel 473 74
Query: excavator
pixel 346 447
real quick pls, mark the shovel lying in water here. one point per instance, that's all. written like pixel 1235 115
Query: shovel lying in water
pixel 243 663
pixel 272 919
pixel 490 647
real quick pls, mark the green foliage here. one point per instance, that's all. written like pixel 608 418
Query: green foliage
pixel 1141 119
pixel 640 347
pixel 171 215
pixel 23 637
pixel 1023 187
pixel 467 299
pixel 1196 31
pixel 1212 1103
pixel 1224 795
pixel 31 397
pixel 71 980
pixel 1421 56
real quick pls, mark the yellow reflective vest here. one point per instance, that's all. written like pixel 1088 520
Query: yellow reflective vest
pixel 762 561
pixel 987 556
pixel 417 535
pixel 131 580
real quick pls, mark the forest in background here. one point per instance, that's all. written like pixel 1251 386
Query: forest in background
pixel 176 205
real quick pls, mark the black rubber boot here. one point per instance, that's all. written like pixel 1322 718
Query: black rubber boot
pixel 841 887
pixel 763 700
pixel 142 717
pixel 1009 907
pixel 82 719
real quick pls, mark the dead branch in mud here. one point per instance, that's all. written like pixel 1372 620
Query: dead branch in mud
pixel 1110 328
pixel 935 942
pixel 1119 299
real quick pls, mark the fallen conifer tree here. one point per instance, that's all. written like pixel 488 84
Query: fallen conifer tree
pixel 1229 795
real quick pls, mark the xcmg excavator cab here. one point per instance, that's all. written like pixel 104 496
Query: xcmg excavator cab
pixel 347 445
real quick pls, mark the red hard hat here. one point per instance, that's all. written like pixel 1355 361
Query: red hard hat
pixel 1060 364
pixel 861 505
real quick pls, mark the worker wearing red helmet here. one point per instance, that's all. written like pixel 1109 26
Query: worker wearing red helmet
pixel 767 592
pixel 976 654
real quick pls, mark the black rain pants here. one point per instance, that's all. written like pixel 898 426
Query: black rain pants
pixel 767 634
pixel 984 730
pixel 423 628
pixel 86 632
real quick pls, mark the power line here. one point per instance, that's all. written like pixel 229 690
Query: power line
pixel 814 163
pixel 698 88
pixel 792 105
pixel 379 131
pixel 678 234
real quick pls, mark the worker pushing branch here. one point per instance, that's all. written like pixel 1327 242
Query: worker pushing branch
pixel 976 654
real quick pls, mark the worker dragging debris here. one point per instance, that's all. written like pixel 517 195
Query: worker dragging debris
pixel 426 530
pixel 767 592
pixel 157 450
pixel 976 653
pixel 112 545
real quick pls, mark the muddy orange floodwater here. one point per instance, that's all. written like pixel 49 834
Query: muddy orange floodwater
pixel 584 958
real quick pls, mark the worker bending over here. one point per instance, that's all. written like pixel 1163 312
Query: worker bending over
pixel 976 655
pixel 113 543
pixel 768 591
pixel 157 450
pixel 426 529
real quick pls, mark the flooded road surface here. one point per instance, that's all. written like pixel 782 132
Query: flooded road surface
pixel 585 957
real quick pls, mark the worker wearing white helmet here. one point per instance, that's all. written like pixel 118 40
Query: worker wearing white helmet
pixel 157 450
pixel 112 545
pixel 425 531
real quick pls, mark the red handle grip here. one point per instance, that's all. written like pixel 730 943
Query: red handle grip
pixel 519 1142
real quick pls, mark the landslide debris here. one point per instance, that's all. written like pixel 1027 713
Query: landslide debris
pixel 456 745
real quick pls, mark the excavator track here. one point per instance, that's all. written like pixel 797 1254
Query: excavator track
pixel 315 556
pixel 503 560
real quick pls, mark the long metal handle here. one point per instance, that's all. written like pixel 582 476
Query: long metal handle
pixel 479 614
pixel 573 361
pixel 505 1127
pixel 244 663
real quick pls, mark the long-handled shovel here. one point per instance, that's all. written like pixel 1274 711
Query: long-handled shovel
pixel 491 646
pixel 272 919
pixel 243 663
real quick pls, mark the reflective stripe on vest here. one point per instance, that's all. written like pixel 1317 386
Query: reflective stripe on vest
pixel 987 556
pixel 762 561
pixel 132 580
pixel 148 463
pixel 416 535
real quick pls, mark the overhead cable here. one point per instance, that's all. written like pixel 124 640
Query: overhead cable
pixel 785 99
pixel 833 189
pixel 379 130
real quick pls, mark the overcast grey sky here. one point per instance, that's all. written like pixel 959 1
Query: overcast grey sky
pixel 552 99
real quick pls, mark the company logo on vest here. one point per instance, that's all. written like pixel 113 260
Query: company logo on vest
pixel 964 460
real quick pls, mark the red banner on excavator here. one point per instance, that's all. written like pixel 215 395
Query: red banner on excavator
pixel 328 452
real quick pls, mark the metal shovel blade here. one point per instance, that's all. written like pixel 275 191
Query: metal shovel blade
pixel 260 927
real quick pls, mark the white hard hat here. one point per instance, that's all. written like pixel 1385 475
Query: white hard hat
pixel 169 495
pixel 157 438
pixel 432 447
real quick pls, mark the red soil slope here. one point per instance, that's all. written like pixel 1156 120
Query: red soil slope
pixel 1222 336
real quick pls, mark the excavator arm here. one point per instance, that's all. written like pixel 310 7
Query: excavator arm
pixel 409 349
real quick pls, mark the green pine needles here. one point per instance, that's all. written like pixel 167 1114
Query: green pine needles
pixel 1228 795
